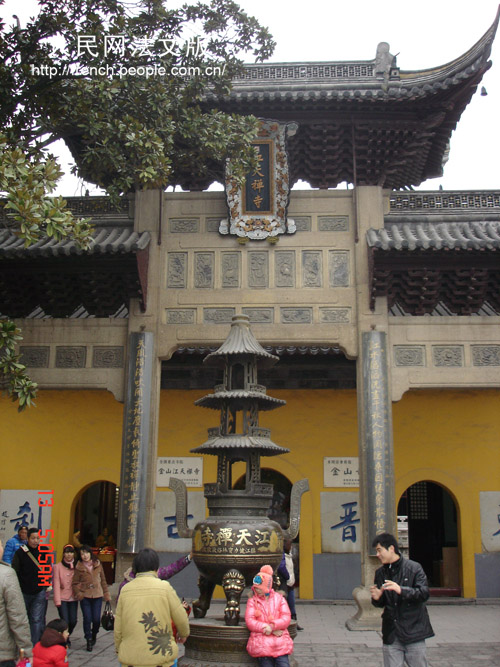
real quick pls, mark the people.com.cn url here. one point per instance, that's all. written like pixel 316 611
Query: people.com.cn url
pixel 122 71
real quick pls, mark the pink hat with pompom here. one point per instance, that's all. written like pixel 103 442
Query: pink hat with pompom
pixel 264 578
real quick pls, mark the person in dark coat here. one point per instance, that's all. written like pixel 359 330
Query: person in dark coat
pixel 401 588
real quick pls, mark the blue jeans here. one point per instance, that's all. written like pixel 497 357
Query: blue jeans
pixel 395 654
pixel 91 610
pixel 290 598
pixel 36 605
pixel 69 612
pixel 280 661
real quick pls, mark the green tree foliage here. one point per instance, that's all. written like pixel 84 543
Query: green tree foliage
pixel 132 88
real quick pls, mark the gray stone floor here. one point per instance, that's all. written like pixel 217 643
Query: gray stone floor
pixel 466 635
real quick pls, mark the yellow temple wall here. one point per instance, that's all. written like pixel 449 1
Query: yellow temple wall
pixel 73 439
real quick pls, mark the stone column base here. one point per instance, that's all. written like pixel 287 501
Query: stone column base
pixel 212 643
pixel 367 617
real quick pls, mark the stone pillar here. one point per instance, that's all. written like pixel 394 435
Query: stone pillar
pixel 143 326
pixel 135 444
pixel 376 464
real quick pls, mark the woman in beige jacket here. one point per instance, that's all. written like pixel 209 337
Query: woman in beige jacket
pixel 90 586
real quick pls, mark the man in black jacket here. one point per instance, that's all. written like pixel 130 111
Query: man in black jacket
pixel 27 567
pixel 401 588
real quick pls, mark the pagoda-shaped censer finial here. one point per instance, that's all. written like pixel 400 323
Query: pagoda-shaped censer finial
pixel 237 538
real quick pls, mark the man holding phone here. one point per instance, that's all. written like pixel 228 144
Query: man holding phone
pixel 401 588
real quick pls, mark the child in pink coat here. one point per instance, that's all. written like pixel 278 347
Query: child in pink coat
pixel 267 617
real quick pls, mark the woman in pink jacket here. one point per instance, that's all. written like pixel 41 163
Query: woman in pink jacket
pixel 267 617
pixel 66 604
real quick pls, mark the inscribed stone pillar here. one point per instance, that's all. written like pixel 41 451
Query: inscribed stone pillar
pixel 135 444
pixel 376 467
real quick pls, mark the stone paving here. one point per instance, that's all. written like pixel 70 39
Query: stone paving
pixel 466 635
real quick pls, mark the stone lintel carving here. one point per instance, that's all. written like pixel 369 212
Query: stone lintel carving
pixel 409 355
pixel 71 357
pixel 106 356
pixel 184 225
pixel 296 315
pixel 448 355
pixel 259 315
pixel 181 315
pixel 335 315
pixel 303 223
pixel 333 223
pixel 35 357
pixel 485 355
pixel 218 315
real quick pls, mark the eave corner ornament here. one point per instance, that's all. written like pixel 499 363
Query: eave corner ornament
pixel 258 209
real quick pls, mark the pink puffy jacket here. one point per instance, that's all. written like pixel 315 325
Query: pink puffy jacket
pixel 272 611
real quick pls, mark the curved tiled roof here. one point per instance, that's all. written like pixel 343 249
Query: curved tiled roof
pixel 440 235
pixel 238 398
pixel 356 124
pixel 106 241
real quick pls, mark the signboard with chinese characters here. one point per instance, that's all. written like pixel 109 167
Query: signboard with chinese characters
pixel 340 522
pixel 30 508
pixel 166 537
pixel 258 210
pixel 188 469
pixel 489 503
pixel 340 471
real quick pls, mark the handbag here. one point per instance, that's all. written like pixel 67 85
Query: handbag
pixel 23 660
pixel 107 619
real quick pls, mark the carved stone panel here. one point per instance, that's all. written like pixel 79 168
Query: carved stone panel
pixel 258 269
pixel 181 315
pixel 107 356
pixel 486 355
pixel 296 315
pixel 177 269
pixel 212 224
pixel 35 357
pixel 284 268
pixel 338 268
pixel 311 268
pixel 218 315
pixel 409 355
pixel 303 223
pixel 259 315
pixel 333 223
pixel 184 226
pixel 204 270
pixel 71 357
pixel 335 315
pixel 231 269
pixel 448 355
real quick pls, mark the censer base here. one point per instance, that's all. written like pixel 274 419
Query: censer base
pixel 212 643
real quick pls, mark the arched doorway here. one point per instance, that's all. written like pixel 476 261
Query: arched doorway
pixel 432 535
pixel 96 508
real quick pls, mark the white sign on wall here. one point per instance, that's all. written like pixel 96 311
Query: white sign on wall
pixel 489 502
pixel 188 469
pixel 340 471
pixel 166 537
pixel 340 522
pixel 25 507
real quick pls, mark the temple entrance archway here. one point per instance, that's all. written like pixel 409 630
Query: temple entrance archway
pixel 433 535
pixel 96 508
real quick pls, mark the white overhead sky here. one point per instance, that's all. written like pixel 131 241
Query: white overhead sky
pixel 424 34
